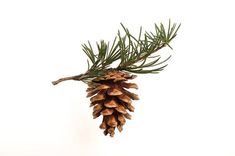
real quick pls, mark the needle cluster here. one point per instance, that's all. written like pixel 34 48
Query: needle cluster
pixel 135 54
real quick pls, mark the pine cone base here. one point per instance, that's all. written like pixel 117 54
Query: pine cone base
pixel 111 99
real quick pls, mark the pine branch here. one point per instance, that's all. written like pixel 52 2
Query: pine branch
pixel 134 54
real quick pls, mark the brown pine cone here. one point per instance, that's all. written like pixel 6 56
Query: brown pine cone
pixel 111 99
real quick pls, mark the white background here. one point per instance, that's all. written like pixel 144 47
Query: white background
pixel 187 110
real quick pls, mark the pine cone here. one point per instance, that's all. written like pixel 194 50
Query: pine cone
pixel 111 100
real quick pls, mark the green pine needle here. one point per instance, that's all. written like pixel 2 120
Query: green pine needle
pixel 134 54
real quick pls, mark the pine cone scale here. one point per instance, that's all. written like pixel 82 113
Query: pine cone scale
pixel 107 111
pixel 111 104
pixel 114 92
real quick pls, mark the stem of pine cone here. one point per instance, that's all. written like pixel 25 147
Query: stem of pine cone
pixel 77 78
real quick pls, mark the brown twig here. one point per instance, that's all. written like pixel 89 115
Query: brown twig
pixel 77 78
